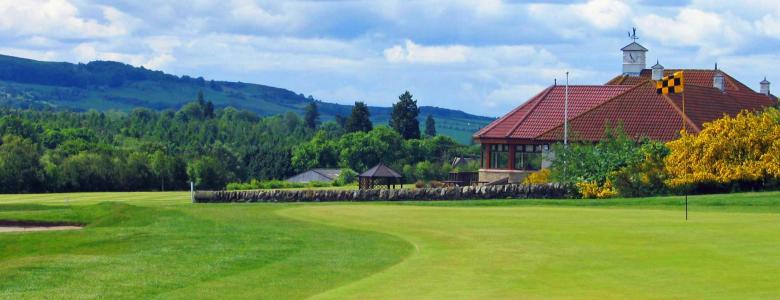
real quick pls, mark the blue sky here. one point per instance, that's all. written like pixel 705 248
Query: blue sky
pixel 483 57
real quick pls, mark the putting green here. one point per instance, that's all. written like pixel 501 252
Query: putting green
pixel 563 252
pixel 159 245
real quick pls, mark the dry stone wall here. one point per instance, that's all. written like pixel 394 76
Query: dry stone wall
pixel 509 191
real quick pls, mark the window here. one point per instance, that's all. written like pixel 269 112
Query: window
pixel 533 161
pixel 499 156
pixel 482 157
pixel 519 149
pixel 529 157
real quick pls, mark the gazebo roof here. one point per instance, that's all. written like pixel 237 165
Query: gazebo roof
pixel 381 171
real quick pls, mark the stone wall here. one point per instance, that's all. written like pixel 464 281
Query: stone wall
pixel 510 191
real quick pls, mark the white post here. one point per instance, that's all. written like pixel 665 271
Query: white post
pixel 192 191
pixel 566 112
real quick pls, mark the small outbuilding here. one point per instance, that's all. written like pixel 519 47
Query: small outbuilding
pixel 378 176
pixel 323 175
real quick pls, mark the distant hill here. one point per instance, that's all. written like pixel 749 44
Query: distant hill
pixel 108 85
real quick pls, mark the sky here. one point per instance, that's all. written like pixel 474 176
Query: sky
pixel 483 56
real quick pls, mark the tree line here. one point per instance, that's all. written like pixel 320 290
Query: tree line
pixel 63 151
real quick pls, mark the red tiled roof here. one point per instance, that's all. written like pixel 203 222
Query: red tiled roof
pixel 631 102
pixel 692 77
pixel 705 104
pixel 628 80
pixel 545 110
pixel 641 112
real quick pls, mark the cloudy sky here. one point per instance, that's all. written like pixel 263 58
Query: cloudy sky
pixel 481 56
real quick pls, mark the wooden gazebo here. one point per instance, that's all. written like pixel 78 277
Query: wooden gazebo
pixel 378 176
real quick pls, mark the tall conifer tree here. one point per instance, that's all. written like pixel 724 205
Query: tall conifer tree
pixel 430 126
pixel 404 117
pixel 312 115
pixel 359 120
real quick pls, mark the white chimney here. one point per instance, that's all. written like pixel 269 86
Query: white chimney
pixel 765 86
pixel 658 71
pixel 718 80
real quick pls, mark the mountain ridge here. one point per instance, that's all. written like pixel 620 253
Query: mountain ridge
pixel 110 85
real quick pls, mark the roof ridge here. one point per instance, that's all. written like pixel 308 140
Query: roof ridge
pixel 546 92
pixel 736 83
pixel 596 85
pixel 320 173
pixel 681 112
pixel 497 121
pixel 594 108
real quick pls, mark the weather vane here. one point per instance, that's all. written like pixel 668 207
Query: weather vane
pixel 633 35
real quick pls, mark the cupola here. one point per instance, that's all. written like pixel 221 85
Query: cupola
pixel 633 56
pixel 718 80
pixel 658 71
pixel 765 86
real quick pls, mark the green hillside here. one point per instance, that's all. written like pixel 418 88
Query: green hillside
pixel 106 85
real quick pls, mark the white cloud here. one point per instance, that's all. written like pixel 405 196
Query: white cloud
pixel 578 20
pixel 603 14
pixel 498 55
pixel 31 54
pixel 511 95
pixel 414 53
pixel 248 12
pixel 59 18
pixel 89 51
pixel 161 57
pixel 449 53
pixel 400 10
pixel 769 25
pixel 714 34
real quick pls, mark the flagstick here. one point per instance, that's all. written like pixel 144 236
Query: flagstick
pixel 566 120
pixel 683 104
pixel 684 130
pixel 566 112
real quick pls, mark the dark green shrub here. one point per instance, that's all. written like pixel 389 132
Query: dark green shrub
pixel 347 176
pixel 645 177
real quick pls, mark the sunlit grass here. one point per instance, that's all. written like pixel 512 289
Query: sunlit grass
pixel 147 245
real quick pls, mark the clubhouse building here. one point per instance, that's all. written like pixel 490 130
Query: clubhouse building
pixel 519 142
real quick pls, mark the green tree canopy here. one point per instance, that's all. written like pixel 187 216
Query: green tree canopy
pixel 312 116
pixel 430 126
pixel 359 120
pixel 404 117
pixel 20 169
pixel 586 162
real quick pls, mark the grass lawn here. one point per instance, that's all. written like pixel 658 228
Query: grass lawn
pixel 159 245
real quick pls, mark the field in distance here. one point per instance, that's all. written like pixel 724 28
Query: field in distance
pixel 142 245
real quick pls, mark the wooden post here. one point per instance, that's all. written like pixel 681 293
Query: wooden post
pixel 512 156
pixel 487 156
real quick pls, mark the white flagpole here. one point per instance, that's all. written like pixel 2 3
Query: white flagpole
pixel 566 112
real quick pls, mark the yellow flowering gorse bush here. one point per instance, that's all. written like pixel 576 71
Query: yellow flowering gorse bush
pixel 745 148
pixel 592 190
pixel 540 177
